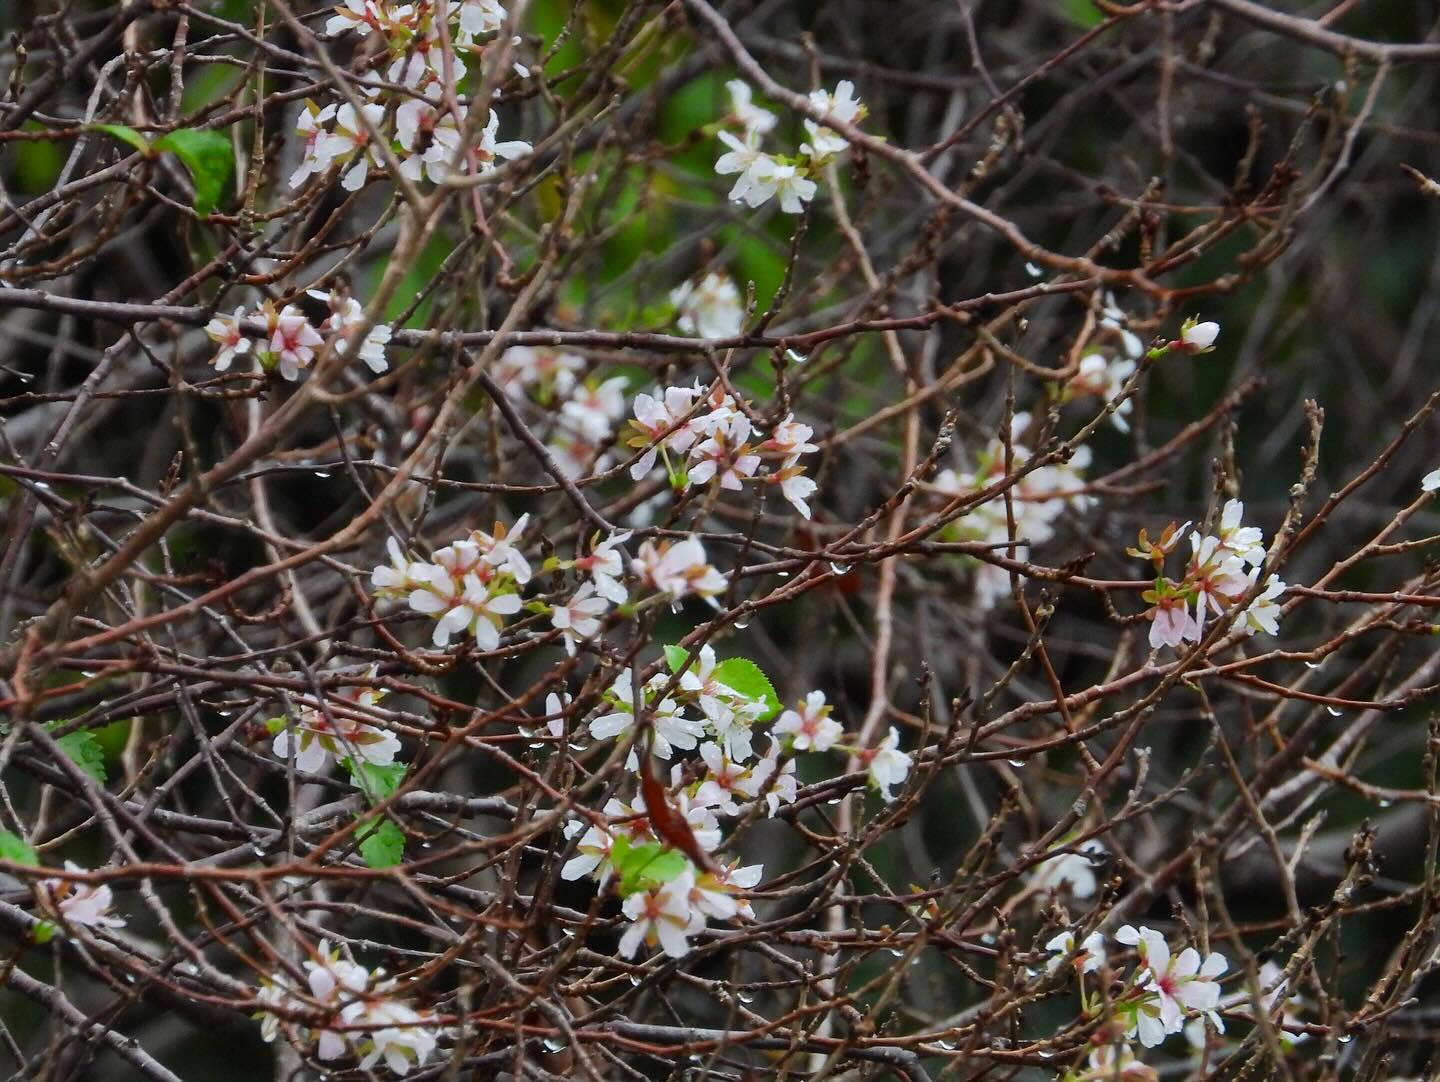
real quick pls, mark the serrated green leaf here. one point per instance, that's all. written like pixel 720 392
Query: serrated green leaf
pixel 744 677
pixel 645 866
pixel 125 135
pixel 675 657
pixel 17 850
pixel 377 782
pixel 209 158
pixel 84 750
pixel 382 843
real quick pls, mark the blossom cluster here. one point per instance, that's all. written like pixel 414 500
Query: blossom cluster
pixel 1165 993
pixel 763 176
pixel 1036 501
pixel 1222 568
pixel 378 1022
pixel 426 134
pixel 584 411
pixel 470 585
pixel 713 709
pixel 1103 372
pixel 713 439
pixel 1150 1003
pixel 290 341
pixel 320 735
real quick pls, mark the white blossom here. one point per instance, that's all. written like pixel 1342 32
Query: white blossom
pixel 710 308
pixel 81 903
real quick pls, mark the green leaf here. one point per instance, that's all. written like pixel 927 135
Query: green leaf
pixel 1083 12
pixel 208 156
pixel 84 750
pixel 675 657
pixel 744 677
pixel 377 782
pixel 274 725
pixel 125 135
pixel 17 850
pixel 43 932
pixel 643 867
pixel 382 843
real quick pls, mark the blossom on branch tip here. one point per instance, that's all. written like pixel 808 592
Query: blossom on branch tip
pixel 887 765
pixel 1197 337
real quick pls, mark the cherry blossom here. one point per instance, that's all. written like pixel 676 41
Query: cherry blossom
pixel 399 1034
pixel 1073 869
pixel 1197 337
pixel 1262 614
pixel 1088 957
pixel 809 724
pixel 888 766
pixel 291 340
pixel 1172 985
pixel 678 569
pixel 225 332
pixel 745 158
pixel 841 105
pixel 754 119
pixel 80 903
pixel 606 567
pixel 1171 622
pixel 581 617
pixel 662 915
pixel 317 738
pixel 772 179
pixel 710 308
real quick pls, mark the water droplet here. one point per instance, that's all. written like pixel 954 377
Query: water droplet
pixel 741 625
pixel 87 674
pixel 747 997
pixel 1314 664
pixel 41 484
pixel 553 1044
pixel 674 606
pixel 1044 1054
pixel 536 744
pixel 1033 271
pixel 949 1046
pixel 1016 762
pixel 1386 803
pixel 1346 1039
pixel 634 978
pixel 577 747
pixel 795 356
pixel 837 800
pixel 784 574
pixel 258 849
pixel 322 473
pixel 1334 711
pixel 988 939
pixel 838 569
pixel 896 954
pixel 567 931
